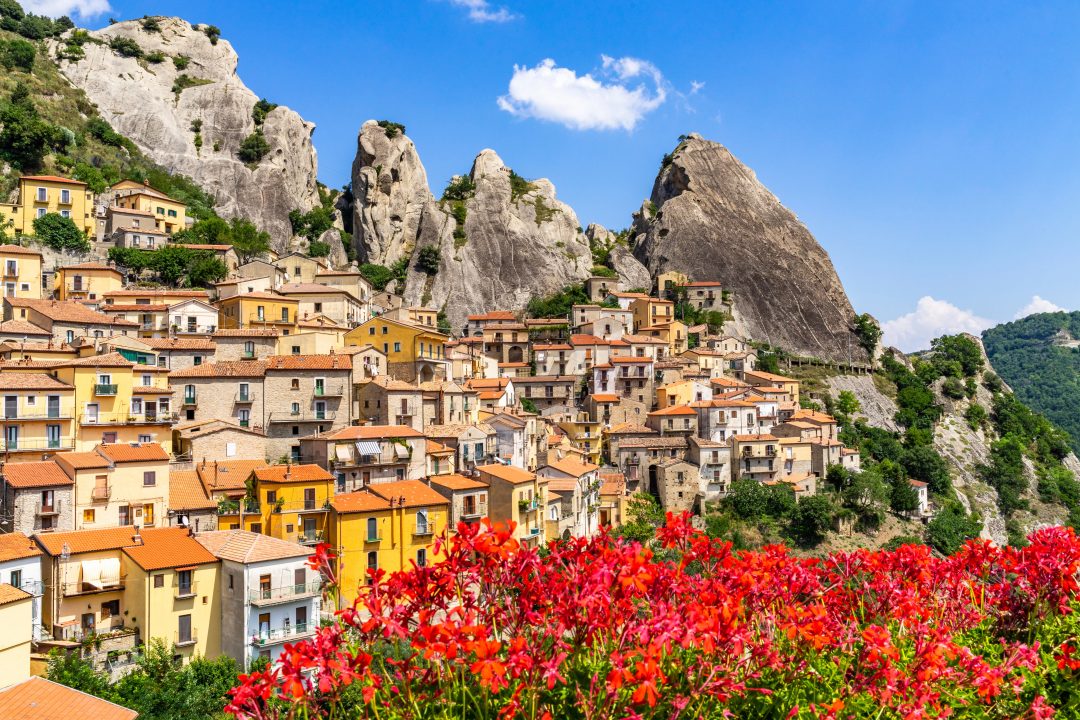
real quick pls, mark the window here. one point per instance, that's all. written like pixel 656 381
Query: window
pixel 371 330
pixel 249 348
pixel 146 438
pixel 65 213
pixel 183 582
pixel 386 329
pixel 294 384
pixel 146 381
pixel 42 194
pixel 422 522
pixel 372 529
pixel 16 578
pixel 88 516
pixel 294 409
pixel 397 347
pixel 149 478
pixel 148 514
pixel 318 307
pixel 198 360
pixel 421 557
pixel 159 581
pixel 284 314
pixel 372 564
pixel 110 608
pixel 295 349
pixel 271 497
pixel 232 579
pixel 69 337
pixel 136 406
pixel 183 633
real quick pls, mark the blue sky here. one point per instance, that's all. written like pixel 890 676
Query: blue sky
pixel 930 147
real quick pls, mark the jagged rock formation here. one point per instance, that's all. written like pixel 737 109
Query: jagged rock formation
pixel 144 102
pixel 632 274
pixel 711 218
pixel 511 246
pixel 390 190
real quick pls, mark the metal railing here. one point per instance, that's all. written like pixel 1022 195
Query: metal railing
pixel 244 397
pixel 329 391
pixel 186 640
pixel 302 506
pixel 311 538
pixel 284 593
pixel 183 592
pixel 21 445
pixel 82 588
pixel 477 510
pixel 104 390
pixel 101 492
pixel 40 415
pixel 52 508
pixel 427 528
pixel 303 416
pixel 121 418
pixel 272 636
pixel 34 587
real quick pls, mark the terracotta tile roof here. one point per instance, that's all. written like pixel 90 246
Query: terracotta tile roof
pixel 135 307
pixel 487 383
pixel 754 438
pixel 772 377
pixel 156 292
pixel 351 273
pixel 605 397
pixel 702 283
pixel 243 546
pixel 72 461
pixel 226 368
pixel 35 474
pixel 455 429
pixel 642 340
pixel 416 493
pixel 21 327
pixel 630 429
pixel 41 699
pixel 90 266
pixel 16 546
pixel 373 432
pixel 308 288
pixel 508 473
pixel 151 390
pixel 456 482
pixel 291 473
pixel 17 250
pixel 675 410
pixel 434 448
pixel 356 502
pixel 309 362
pixel 557 346
pixel 546 379
pixel 137 452
pixel 248 332
pixel 388 383
pixel 31 381
pixel 813 416
pixel 226 475
pixel 259 295
pixel 668 441
pixel 168 548
pixel 69 312
pixel 111 360
pixel 186 492
pixel 626 360
pixel 52 178
pixel 493 315
pixel 202 246
pixel 588 340
pixel 572 467
pixel 84 541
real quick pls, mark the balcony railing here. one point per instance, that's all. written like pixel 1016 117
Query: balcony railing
pixel 101 492
pixel 329 391
pixel 34 587
pixel 244 397
pixel 427 528
pixel 84 588
pixel 52 508
pixel 190 590
pixel 189 399
pixel 285 593
pixel 273 636
pixel 105 390
pixel 475 510
pixel 39 415
pixel 302 506
pixel 261 319
pixel 21 445
pixel 304 416
pixel 311 538
pixel 181 640
pixel 119 418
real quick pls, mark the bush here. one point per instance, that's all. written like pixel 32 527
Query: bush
pixel 868 331
pixel 155 57
pixel 213 32
pixel 391 129
pixel 180 62
pixel 318 249
pixel 427 260
pixel 975 415
pixel 559 304
pixel 150 24
pixel 25 138
pixel 17 54
pixel 812 519
pixel 60 233
pixel 953 388
pixel 100 129
pixel 951 528
pixel 261 109
pixel 460 187
pixel 253 148
pixel 125 46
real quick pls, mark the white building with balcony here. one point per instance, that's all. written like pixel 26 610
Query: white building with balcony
pixel 20 566
pixel 269 595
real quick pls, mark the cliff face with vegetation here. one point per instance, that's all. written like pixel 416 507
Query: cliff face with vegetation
pixel 172 89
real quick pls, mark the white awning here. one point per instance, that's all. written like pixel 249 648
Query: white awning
pixel 341 452
pixel 110 571
pixel 368 447
pixel 91 573
pixel 401 451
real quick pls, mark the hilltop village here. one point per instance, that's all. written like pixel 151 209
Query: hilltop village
pixel 171 457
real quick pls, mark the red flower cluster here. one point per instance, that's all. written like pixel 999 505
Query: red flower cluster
pixel 601 628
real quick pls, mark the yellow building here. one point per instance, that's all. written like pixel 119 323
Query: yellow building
pixel 387 526
pixel 170 215
pixel 38 416
pixel 672 333
pixel 118 401
pixel 649 312
pixel 668 282
pixel 16 617
pixel 584 433
pixel 42 194
pixel 517 496
pixel 310 342
pixel 22 270
pixel 293 501
pixel 760 378
pixel 172 589
pixel 118 485
pixel 413 352
pixel 259 310
pixel 87 281
pixel 225 484
pixel 682 392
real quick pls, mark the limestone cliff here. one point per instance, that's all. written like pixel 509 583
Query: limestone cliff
pixel 711 218
pixel 499 243
pixel 158 105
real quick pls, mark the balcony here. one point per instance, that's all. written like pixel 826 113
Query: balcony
pixel 302 506
pixel 242 398
pixel 100 493
pixel 329 391
pixel 186 592
pixel 186 640
pixel 248 355
pixel 527 505
pixel 256 319
pixel 37 445
pixel 189 400
pixel 287 593
pixel 85 588
pixel 274 636
pixel 104 390
pixel 39 415
pixel 313 537
pixel 303 417
pixel 153 418
pixel 52 508
pixel 474 510
pixel 34 587
pixel 427 528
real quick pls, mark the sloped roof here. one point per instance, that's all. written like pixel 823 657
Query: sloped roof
pixel 228 368
pixel 457 482
pixel 69 312
pixel 168 548
pixel 572 467
pixel 46 473
pixel 243 546
pixel 17 546
pixel 137 452
pixel 41 699
pixel 186 492
pixel 415 493
pixel 373 432
pixel 291 473
pixel 355 502
pixel 508 473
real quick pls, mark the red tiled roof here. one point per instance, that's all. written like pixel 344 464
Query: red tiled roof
pixel 372 432
pixel 17 250
pixel 31 381
pixel 68 312
pixel 415 493
pixel 509 473
pixel 168 548
pixel 138 452
pixel 35 474
pixel 186 491
pixel 41 699
pixel 457 482
pixel 356 502
pixel 16 546
pixel 52 178
pixel 291 473
pixel 226 368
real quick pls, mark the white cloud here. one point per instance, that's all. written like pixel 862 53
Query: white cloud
pixel 931 318
pixel 695 86
pixel 56 8
pixel 482 11
pixel 582 102
pixel 1037 305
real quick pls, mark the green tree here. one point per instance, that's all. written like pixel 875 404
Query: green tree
pixel 847 403
pixel 747 499
pixel 170 263
pixel 125 46
pixel 868 332
pixel 248 241
pixel 205 269
pixel 71 670
pixel 951 528
pixel 811 519
pixel 867 491
pixel 17 54
pixel 427 260
pixel 923 462
pixel 960 349
pixel 25 139
pixel 60 233
pixel 253 148
pixel 644 515
pixel 903 498
pixel 318 249
pixel 261 110
pixel 528 406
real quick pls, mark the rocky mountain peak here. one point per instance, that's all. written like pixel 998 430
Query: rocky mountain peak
pixel 711 218
pixel 182 103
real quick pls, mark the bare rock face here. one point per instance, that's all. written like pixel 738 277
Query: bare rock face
pixel 632 274
pixel 514 247
pixel 145 102
pixel 711 218
pixel 390 190
pixel 338 258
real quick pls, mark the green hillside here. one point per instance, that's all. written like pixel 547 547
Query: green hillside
pixel 1039 356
